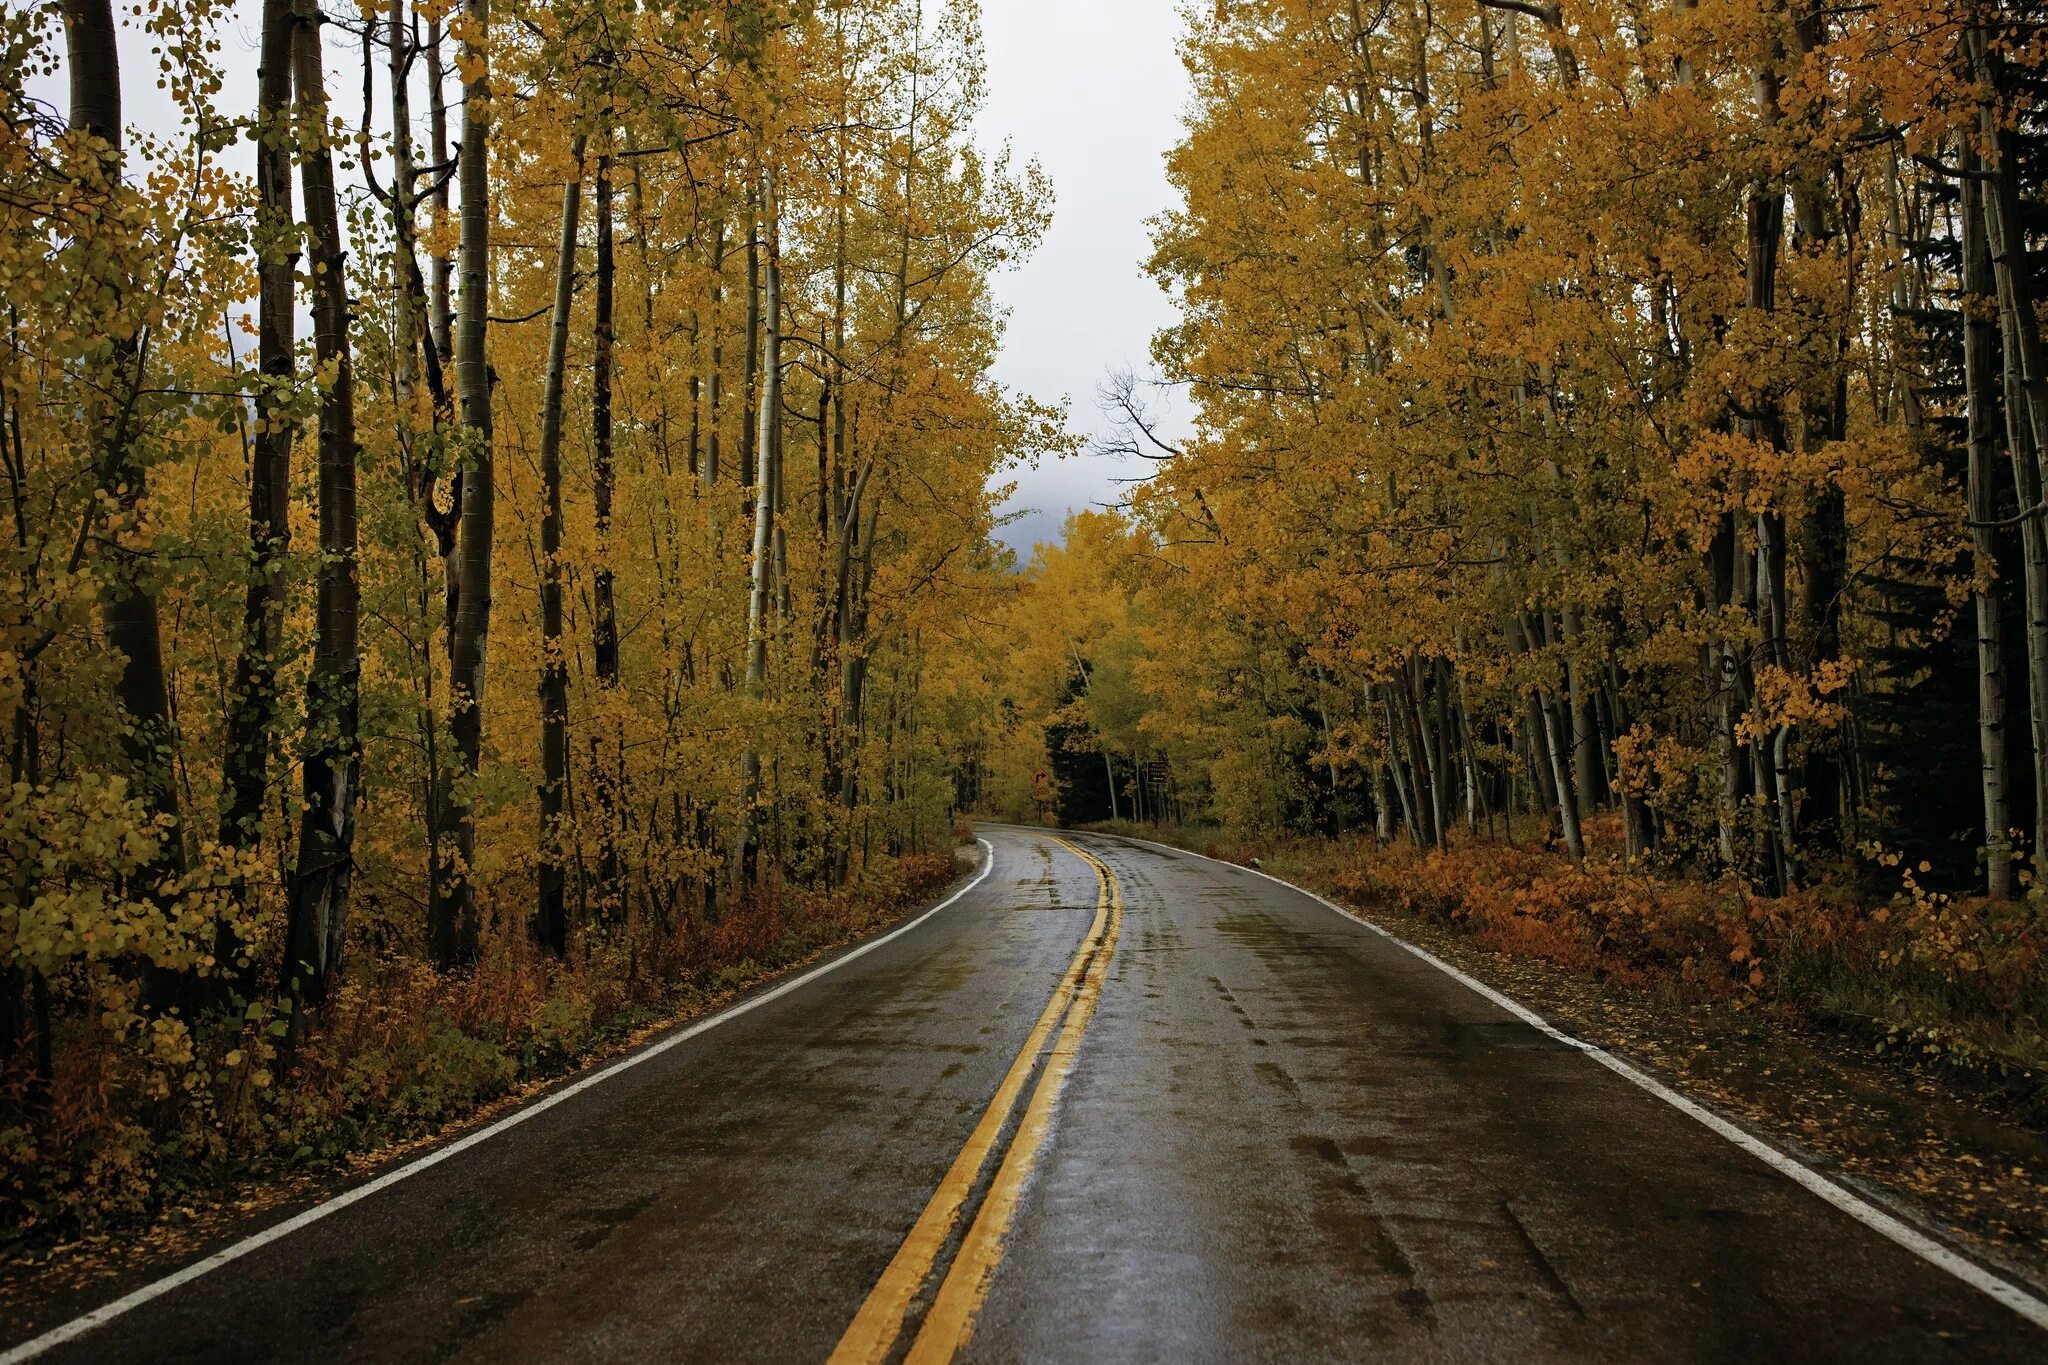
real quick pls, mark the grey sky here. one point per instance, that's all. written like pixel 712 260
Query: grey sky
pixel 1095 90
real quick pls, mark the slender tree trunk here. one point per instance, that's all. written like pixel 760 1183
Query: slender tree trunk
pixel 609 777
pixel 1536 767
pixel 551 920
pixel 253 707
pixel 1552 734
pixel 768 413
pixel 853 666
pixel 453 912
pixel 1549 770
pixel 605 641
pixel 1587 771
pixel 318 916
pixel 420 333
pixel 836 381
pixel 1401 768
pixel 1824 533
pixel 750 391
pixel 1771 603
pixel 1429 783
pixel 1551 711
pixel 778 489
pixel 1383 803
pixel 1638 825
pixel 696 396
pixel 2026 394
pixel 2026 472
pixel 24 766
pixel 1561 778
pixel 715 384
pixel 128 606
pixel 1980 343
pixel 2006 236
pixel 1724 685
pixel 1905 379
pixel 442 315
pixel 1477 806
pixel 1766 227
pixel 840 615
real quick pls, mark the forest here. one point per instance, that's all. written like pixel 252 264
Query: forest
pixel 1614 506
pixel 503 536
pixel 482 556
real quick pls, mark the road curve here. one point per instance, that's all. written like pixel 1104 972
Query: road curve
pixel 1114 1103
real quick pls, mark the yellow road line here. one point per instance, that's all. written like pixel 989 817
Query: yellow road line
pixel 880 1321
pixel 950 1321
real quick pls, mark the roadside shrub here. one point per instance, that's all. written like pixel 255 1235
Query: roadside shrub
pixel 1962 982
pixel 145 1112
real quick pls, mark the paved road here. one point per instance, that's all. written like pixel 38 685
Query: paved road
pixel 1112 1104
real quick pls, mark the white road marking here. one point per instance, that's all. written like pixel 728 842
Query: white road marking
pixel 2020 1301
pixel 99 1317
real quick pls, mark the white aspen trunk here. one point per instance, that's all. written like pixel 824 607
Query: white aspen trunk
pixel 1979 346
pixel 551 923
pixel 253 707
pixel 1586 766
pixel 316 919
pixel 128 608
pixel 1397 768
pixel 1561 777
pixel 442 313
pixel 768 411
pixel 452 913
pixel 2026 404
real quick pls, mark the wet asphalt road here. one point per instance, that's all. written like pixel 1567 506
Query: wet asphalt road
pixel 1282 1138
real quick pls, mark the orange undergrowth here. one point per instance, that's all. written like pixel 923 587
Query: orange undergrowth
pixel 1959 981
pixel 1603 918
pixel 400 1052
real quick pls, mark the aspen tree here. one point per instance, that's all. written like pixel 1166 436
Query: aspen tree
pixel 551 920
pixel 453 928
pixel 247 759
pixel 1980 326
pixel 330 763
pixel 129 608
pixel 766 444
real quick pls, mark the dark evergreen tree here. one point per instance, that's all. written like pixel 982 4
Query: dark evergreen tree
pixel 1918 714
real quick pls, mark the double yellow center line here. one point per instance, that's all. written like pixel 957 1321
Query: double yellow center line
pixel 950 1319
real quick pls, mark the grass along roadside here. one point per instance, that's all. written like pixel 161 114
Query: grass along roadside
pixel 1957 1137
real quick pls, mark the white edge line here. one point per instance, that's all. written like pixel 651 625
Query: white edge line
pixel 99 1317
pixel 2028 1306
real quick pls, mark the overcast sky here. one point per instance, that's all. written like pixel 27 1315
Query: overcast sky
pixel 1092 89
